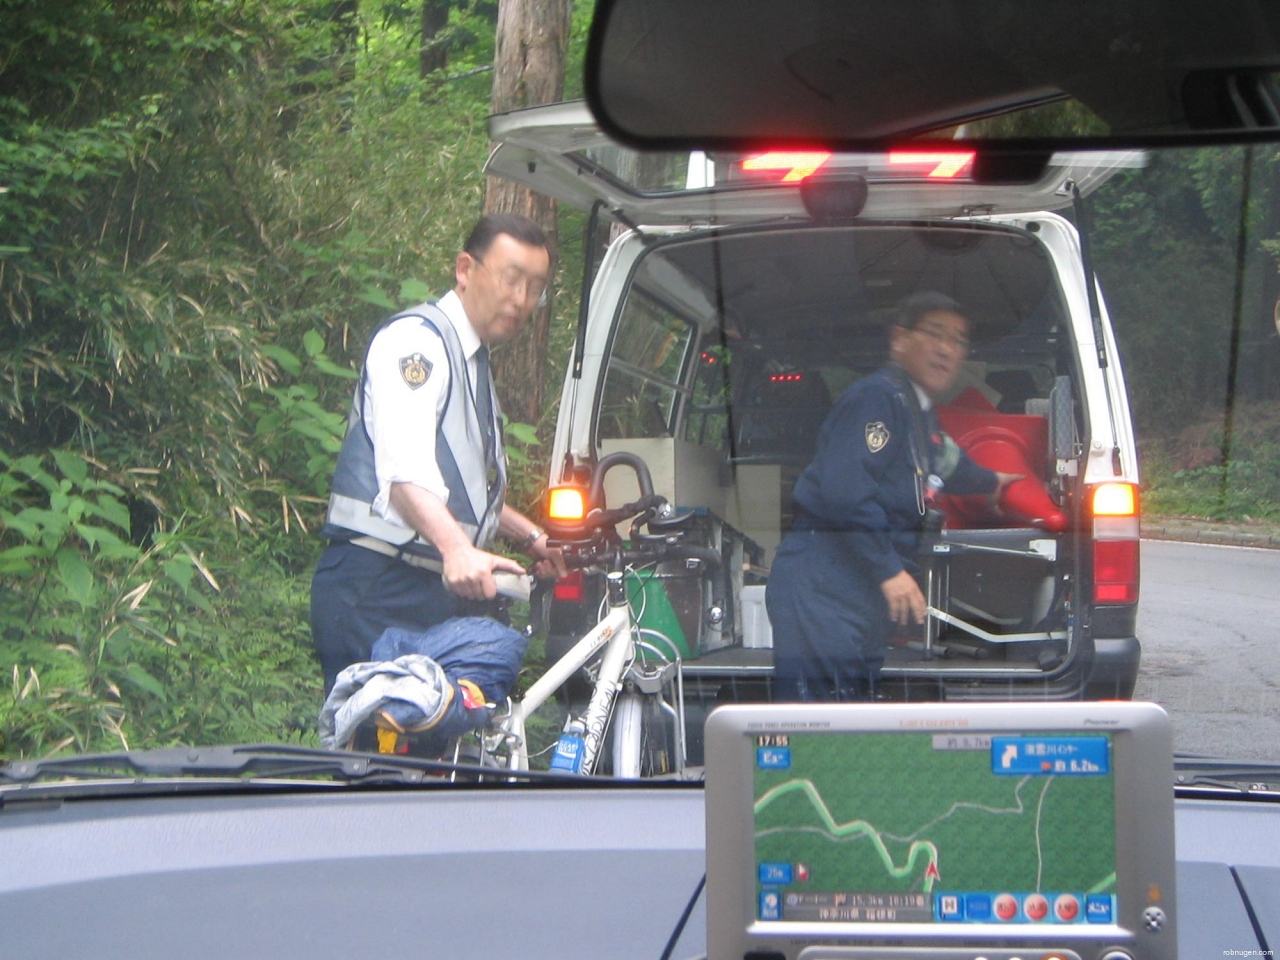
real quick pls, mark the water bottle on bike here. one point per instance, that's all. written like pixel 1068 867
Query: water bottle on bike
pixel 570 748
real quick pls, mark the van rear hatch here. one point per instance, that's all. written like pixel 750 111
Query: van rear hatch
pixel 720 336
pixel 559 151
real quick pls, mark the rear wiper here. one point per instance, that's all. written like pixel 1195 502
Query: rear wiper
pixel 260 761
pixel 1246 776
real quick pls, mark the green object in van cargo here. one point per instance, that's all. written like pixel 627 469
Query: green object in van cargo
pixel 652 607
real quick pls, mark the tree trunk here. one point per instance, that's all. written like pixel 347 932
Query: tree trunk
pixel 432 55
pixel 533 36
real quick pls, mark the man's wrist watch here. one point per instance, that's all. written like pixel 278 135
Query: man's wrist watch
pixel 533 536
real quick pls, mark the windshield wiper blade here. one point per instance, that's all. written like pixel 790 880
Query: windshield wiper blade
pixel 247 761
pixel 1248 776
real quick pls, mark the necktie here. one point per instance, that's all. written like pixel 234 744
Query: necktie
pixel 933 439
pixel 484 410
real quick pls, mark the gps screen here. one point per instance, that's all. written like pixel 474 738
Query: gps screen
pixel 943 828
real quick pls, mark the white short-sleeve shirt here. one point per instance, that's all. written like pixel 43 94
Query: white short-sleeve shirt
pixel 402 408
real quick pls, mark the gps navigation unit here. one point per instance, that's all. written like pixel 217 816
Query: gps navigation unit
pixel 946 831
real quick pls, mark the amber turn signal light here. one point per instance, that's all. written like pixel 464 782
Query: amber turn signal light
pixel 566 504
pixel 1115 500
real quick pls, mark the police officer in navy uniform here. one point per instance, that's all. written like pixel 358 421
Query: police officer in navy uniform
pixel 844 573
pixel 419 491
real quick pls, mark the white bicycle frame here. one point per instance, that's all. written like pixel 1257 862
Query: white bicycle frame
pixel 615 634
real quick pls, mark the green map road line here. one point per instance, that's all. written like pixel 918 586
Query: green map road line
pixel 1106 883
pixel 856 826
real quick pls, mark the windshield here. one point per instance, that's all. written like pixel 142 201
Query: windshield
pixel 189 282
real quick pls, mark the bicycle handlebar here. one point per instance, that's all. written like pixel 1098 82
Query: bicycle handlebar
pixel 601 543
pixel 587 555
pixel 598 517
pixel 611 518
pixel 608 462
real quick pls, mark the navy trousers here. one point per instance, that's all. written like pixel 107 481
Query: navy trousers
pixel 830 621
pixel 356 594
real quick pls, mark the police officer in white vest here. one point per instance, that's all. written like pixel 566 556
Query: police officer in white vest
pixel 418 494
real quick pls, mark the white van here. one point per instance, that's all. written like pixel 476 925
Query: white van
pixel 738 297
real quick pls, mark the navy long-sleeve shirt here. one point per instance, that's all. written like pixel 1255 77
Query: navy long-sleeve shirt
pixel 862 482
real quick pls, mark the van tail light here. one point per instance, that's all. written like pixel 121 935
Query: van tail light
pixel 566 505
pixel 571 588
pixel 1115 542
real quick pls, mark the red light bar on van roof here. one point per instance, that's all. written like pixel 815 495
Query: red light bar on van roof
pixel 792 166
pixel 945 165
pixel 797 164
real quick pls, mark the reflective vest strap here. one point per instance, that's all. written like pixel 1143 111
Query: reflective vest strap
pixel 354 515
pixel 459 454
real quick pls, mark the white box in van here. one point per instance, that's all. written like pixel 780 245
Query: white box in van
pixel 757 632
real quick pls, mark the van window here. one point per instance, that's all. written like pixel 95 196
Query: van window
pixel 642 383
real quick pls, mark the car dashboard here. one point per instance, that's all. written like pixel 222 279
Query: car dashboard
pixel 613 871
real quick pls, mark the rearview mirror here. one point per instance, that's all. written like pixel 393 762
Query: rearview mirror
pixel 870 74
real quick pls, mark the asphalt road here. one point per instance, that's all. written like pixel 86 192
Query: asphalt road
pixel 1209 622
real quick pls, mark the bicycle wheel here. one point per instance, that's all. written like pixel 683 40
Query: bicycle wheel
pixel 643 737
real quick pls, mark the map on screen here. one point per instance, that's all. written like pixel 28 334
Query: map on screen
pixel 934 828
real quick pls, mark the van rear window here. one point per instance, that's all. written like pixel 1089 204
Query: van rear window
pixel 642 382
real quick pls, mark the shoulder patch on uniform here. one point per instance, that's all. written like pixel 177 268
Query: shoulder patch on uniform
pixel 415 369
pixel 877 436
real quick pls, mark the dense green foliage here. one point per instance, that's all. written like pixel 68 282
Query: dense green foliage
pixel 206 206
pixel 1186 474
pixel 1181 260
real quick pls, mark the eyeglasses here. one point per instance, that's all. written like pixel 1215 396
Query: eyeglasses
pixel 941 335
pixel 513 280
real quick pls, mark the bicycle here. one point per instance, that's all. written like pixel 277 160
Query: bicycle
pixel 639 670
